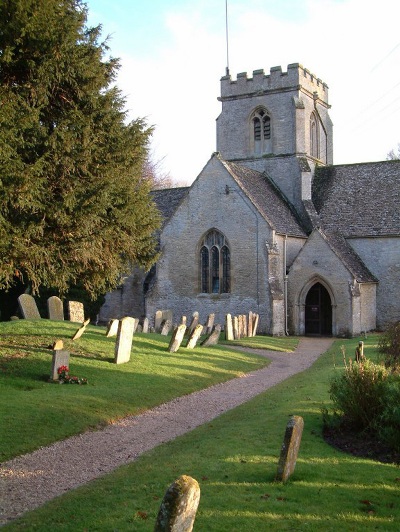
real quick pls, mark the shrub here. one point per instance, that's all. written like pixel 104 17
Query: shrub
pixel 358 393
pixel 387 426
pixel 389 346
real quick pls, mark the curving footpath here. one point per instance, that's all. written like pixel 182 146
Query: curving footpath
pixel 28 481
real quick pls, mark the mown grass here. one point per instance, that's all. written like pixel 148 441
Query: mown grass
pixel 34 412
pixel 234 458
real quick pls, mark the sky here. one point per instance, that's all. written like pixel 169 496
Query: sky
pixel 173 54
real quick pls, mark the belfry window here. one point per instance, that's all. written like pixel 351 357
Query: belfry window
pixel 215 266
pixel 261 134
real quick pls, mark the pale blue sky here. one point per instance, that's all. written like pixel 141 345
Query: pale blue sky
pixel 173 55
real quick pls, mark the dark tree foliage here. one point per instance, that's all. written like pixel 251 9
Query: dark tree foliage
pixel 74 203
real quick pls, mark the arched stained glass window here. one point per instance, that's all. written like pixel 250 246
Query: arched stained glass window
pixel 215 267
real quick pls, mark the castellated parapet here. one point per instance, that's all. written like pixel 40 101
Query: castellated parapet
pixel 295 78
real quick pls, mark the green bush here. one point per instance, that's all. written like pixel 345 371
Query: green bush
pixel 387 425
pixel 389 346
pixel 358 392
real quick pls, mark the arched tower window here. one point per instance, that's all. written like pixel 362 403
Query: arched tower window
pixel 314 136
pixel 261 131
pixel 215 263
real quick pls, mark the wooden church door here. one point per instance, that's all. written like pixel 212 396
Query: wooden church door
pixel 318 311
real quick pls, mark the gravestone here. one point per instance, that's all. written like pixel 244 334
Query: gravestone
pixel 290 448
pixel 76 311
pixel 177 337
pixel 255 323
pixel 58 344
pixel 193 323
pixel 145 325
pixel 235 328
pixel 165 328
pixel 250 325
pixel 213 338
pixel 228 327
pixel 209 324
pixel 28 307
pixel 55 308
pixel 60 358
pixel 194 336
pixel 112 328
pixel 81 329
pixel 183 320
pixel 179 506
pixel 123 344
pixel 158 321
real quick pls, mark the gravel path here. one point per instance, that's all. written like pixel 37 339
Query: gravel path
pixel 29 481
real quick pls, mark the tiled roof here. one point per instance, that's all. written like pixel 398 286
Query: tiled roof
pixel 266 198
pixel 167 200
pixel 359 199
pixel 348 256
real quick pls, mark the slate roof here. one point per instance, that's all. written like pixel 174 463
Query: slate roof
pixel 348 256
pixel 359 199
pixel 167 200
pixel 266 197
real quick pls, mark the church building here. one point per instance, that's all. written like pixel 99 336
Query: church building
pixel 271 226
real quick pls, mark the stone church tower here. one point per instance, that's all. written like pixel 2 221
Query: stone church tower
pixel 278 124
pixel 271 226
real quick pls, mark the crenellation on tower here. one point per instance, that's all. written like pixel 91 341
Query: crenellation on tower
pixel 294 78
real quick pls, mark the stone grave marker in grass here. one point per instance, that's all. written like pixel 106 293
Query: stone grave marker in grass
pixel 28 307
pixel 213 338
pixel 165 328
pixel 290 448
pixel 60 358
pixel 194 336
pixel 193 324
pixel 209 323
pixel 123 344
pixel 228 327
pixel 179 506
pixel 176 338
pixel 81 329
pixel 112 328
pixel 76 311
pixel 55 308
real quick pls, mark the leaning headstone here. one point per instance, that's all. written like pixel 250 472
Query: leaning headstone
pixel 76 311
pixel 167 315
pixel 228 327
pixel 81 329
pixel 209 323
pixel 145 325
pixel 256 318
pixel 28 307
pixel 213 338
pixel 290 448
pixel 176 338
pixel 183 320
pixel 179 506
pixel 193 323
pixel 55 308
pixel 58 344
pixel 112 328
pixel 60 358
pixel 194 337
pixel 165 328
pixel 123 344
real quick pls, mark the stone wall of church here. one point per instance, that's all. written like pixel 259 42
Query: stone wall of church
pixel 209 206
pixel 382 258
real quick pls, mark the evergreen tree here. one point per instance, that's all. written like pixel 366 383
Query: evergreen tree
pixel 74 202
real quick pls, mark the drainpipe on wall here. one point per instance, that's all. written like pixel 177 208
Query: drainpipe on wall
pixel 285 282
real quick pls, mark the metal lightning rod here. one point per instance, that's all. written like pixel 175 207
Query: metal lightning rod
pixel 227 37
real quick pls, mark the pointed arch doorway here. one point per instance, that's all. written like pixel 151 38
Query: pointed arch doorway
pixel 318 311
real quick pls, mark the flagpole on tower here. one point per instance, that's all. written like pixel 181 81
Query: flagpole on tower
pixel 227 37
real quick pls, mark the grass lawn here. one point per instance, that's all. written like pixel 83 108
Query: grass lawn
pixel 37 413
pixel 234 458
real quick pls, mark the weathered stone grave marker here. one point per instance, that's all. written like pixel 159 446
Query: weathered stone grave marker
pixel 213 338
pixel 158 321
pixel 193 323
pixel 290 448
pixel 228 327
pixel 194 336
pixel 112 328
pixel 236 335
pixel 256 318
pixel 81 329
pixel 28 307
pixel 176 338
pixel 209 324
pixel 60 358
pixel 76 311
pixel 165 328
pixel 145 325
pixel 55 308
pixel 179 506
pixel 123 344
pixel 250 324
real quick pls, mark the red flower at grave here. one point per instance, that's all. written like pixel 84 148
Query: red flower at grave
pixel 63 369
